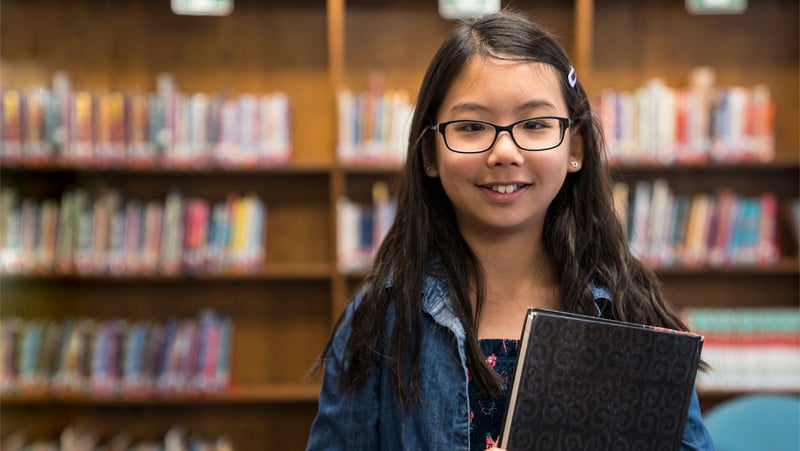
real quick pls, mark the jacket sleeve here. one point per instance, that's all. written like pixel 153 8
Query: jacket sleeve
pixel 695 434
pixel 344 421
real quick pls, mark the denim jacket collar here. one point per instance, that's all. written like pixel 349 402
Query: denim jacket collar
pixel 435 302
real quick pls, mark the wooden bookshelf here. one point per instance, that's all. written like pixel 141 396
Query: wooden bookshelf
pixel 266 394
pixel 309 49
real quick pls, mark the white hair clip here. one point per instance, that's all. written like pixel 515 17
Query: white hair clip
pixel 572 77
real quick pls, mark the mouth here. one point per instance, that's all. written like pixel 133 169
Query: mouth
pixel 505 189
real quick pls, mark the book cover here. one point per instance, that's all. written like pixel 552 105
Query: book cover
pixel 590 383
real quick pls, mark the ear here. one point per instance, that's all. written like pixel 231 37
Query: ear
pixel 431 170
pixel 575 161
pixel 429 161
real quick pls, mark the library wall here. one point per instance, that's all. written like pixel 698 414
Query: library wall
pixel 125 45
pixel 636 41
pixel 283 310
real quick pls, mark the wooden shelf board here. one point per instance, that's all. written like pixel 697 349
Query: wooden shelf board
pixel 290 168
pixel 274 393
pixel 785 266
pixel 271 271
pixel 766 166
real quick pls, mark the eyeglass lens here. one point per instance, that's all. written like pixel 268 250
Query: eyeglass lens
pixel 477 136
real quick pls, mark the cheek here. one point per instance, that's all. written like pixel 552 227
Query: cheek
pixel 459 166
pixel 459 172
pixel 549 164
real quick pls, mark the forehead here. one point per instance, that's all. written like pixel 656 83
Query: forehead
pixel 498 84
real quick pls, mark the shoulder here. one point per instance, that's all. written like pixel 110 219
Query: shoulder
pixel 435 304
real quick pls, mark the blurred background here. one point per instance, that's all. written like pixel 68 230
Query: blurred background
pixel 188 201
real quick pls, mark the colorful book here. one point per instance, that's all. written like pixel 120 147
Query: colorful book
pixel 11 129
pixel 37 149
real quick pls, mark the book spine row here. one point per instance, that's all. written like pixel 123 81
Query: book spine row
pixel 74 438
pixel 373 125
pixel 106 234
pixel 112 357
pixel 699 230
pixel 60 125
pixel 749 348
pixel 701 123
pixel 362 228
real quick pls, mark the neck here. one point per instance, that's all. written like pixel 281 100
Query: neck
pixel 513 262
pixel 518 275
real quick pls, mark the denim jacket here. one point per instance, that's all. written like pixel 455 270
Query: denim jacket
pixel 372 418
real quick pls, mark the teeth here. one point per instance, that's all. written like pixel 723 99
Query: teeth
pixel 505 189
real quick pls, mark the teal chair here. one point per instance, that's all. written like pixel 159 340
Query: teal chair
pixel 762 422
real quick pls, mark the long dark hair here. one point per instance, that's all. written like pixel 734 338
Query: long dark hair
pixel 582 235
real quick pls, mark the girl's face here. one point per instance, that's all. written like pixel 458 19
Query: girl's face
pixel 505 189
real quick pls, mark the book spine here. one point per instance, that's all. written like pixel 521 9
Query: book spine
pixel 172 233
pixel 30 346
pixel 196 236
pixel 48 221
pixel 10 331
pixel 132 357
pixel 153 223
pixel 83 239
pixel 30 231
pixel 11 137
pixel 222 374
pixel 36 147
pixel 65 246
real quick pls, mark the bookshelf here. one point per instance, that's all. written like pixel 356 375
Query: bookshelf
pixel 669 44
pixel 282 312
pixel 309 49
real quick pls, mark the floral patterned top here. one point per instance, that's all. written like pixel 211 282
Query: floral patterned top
pixel 486 415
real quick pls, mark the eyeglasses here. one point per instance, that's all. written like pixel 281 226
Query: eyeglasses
pixel 532 134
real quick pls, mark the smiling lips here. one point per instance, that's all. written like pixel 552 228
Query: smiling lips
pixel 505 189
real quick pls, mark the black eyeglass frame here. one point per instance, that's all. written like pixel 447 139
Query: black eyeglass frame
pixel 564 122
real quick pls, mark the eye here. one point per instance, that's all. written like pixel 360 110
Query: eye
pixel 536 124
pixel 470 126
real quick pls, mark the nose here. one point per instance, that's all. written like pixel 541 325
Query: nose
pixel 504 152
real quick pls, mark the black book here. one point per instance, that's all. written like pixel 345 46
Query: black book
pixel 587 383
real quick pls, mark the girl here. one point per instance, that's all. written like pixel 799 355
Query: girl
pixel 505 203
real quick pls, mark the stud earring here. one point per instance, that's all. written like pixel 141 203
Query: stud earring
pixel 429 169
pixel 574 164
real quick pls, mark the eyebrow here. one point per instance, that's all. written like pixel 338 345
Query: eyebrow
pixel 472 106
